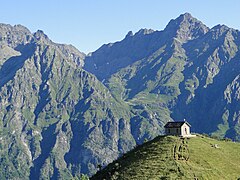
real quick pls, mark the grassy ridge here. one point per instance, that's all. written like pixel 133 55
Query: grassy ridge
pixel 168 157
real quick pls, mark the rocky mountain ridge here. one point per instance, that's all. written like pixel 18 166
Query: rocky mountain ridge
pixel 184 71
pixel 57 120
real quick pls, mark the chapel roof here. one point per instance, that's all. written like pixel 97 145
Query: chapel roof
pixel 176 124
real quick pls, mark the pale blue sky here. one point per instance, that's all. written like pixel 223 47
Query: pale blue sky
pixel 87 24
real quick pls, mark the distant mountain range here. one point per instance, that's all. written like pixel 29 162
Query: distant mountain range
pixel 64 112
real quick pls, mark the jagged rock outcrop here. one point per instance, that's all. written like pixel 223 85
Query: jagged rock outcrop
pixel 180 72
pixel 57 120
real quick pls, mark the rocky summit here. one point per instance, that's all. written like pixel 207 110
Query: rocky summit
pixel 63 113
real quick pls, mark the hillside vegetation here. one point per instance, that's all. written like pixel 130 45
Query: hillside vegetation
pixel 169 157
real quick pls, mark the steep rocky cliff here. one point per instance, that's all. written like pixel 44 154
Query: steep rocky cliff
pixel 57 120
pixel 185 71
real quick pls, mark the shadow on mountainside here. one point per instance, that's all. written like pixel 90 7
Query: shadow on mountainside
pixel 13 64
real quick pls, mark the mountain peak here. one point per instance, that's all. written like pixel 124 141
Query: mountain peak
pixel 40 36
pixel 187 16
pixel 141 32
pixel 186 27
pixel 144 31
pixel 22 28
pixel 221 27
pixel 14 35
pixel 129 34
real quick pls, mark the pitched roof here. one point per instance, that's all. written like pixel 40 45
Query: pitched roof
pixel 177 124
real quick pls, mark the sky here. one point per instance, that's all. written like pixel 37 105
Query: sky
pixel 88 24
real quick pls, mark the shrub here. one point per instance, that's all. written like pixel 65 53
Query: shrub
pixel 227 139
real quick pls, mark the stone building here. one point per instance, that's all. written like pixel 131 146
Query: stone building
pixel 180 128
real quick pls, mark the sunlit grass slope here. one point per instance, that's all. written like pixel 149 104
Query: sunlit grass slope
pixel 168 157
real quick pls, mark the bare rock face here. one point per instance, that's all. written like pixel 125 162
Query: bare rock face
pixel 110 58
pixel 57 120
pixel 186 28
pixel 180 72
pixel 14 35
